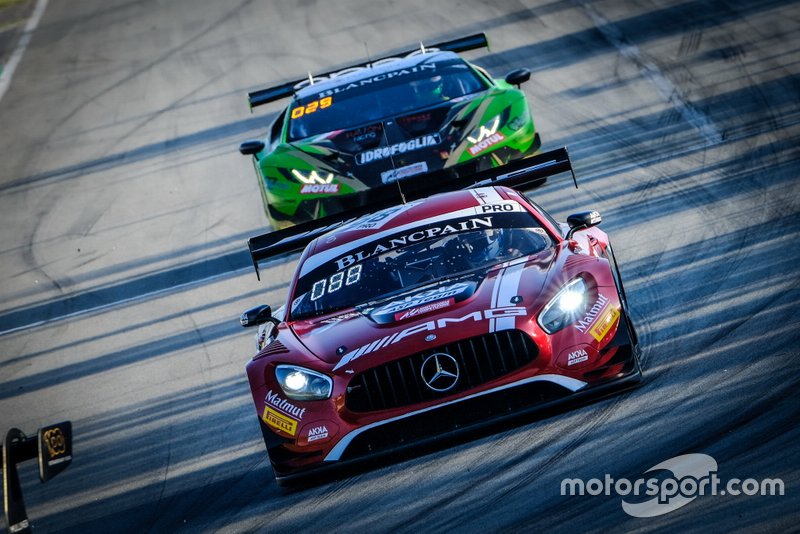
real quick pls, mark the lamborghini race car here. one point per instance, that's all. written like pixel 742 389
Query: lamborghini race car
pixel 374 123
pixel 434 316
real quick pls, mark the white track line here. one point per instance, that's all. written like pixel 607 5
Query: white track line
pixel 16 55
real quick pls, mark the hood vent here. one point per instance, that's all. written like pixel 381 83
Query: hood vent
pixel 276 347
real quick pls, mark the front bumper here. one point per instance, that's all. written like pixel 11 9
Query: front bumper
pixel 539 395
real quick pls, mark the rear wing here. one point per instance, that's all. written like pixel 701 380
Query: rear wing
pixel 516 174
pixel 264 96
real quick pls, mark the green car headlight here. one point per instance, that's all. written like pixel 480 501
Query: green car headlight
pixel 485 130
pixel 565 307
pixel 299 383
pixel 486 135
pixel 313 177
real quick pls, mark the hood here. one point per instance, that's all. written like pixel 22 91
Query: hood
pixel 356 339
pixel 398 147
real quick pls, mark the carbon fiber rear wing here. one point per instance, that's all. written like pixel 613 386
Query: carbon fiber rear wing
pixel 516 174
pixel 264 96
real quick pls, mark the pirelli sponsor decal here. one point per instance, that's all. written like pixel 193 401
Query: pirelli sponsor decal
pixel 604 324
pixel 279 421
pixel 280 413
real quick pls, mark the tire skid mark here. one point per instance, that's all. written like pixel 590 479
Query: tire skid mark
pixel 651 72
pixel 600 415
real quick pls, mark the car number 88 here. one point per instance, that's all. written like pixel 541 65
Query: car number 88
pixel 334 282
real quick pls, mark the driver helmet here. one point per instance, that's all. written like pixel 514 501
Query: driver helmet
pixel 428 88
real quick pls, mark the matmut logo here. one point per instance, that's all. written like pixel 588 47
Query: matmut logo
pixel 428 326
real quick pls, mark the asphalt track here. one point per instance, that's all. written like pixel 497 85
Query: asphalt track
pixel 124 209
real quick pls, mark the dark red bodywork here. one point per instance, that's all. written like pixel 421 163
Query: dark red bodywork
pixel 510 363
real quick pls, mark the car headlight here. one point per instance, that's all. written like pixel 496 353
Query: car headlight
pixel 516 123
pixel 485 130
pixel 303 384
pixel 565 307
pixel 313 177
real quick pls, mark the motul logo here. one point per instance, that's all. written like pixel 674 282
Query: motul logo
pixel 486 143
pixel 316 189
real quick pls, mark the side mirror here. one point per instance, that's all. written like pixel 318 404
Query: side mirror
pixel 251 148
pixel 582 220
pixel 256 316
pixel 518 76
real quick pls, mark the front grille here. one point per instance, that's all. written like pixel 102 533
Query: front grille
pixel 480 360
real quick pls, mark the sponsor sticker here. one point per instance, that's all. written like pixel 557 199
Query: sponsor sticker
pixel 425 297
pixel 319 189
pixel 498 207
pixel 277 420
pixel 420 234
pixel 486 143
pixel 318 432
pixel 404 172
pixel 284 406
pixel 604 324
pixel 377 154
pixel 577 357
pixel 366 133
pixel 591 316
pixel 413 312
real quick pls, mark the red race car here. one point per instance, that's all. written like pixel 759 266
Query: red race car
pixel 434 316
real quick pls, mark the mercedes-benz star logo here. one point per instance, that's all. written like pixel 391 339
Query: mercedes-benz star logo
pixel 439 371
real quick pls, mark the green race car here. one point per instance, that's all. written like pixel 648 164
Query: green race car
pixel 375 123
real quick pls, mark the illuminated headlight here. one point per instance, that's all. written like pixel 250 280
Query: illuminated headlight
pixel 565 307
pixel 313 177
pixel 303 384
pixel 484 131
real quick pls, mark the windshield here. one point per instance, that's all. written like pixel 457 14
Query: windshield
pixel 379 270
pixel 385 95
